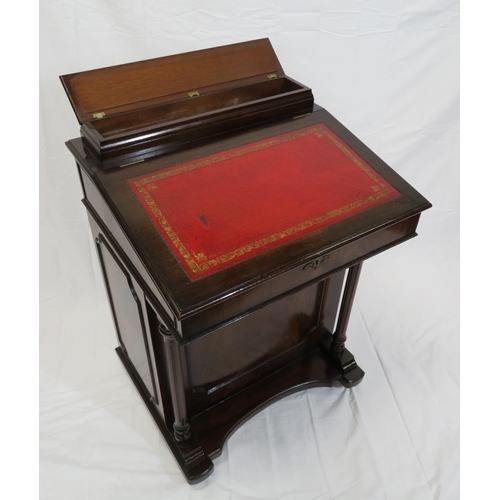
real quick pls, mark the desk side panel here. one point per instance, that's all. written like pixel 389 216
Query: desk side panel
pixel 132 317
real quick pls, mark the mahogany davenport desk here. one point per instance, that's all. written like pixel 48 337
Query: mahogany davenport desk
pixel 231 216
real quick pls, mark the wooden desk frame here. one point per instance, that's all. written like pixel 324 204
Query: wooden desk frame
pixel 206 355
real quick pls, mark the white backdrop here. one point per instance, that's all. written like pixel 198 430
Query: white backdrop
pixel 388 70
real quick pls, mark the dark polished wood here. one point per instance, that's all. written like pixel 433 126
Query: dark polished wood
pixel 139 110
pixel 182 429
pixel 340 334
pixel 334 345
pixel 208 354
pixel 365 233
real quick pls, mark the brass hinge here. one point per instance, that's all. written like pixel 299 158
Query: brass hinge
pixel 272 76
pixel 193 94
pixel 131 163
pixel 99 115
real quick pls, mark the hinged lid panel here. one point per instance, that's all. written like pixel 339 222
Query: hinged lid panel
pixel 135 85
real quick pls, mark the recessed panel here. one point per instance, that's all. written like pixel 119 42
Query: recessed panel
pixel 251 343
pixel 129 319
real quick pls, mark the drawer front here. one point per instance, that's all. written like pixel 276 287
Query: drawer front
pixel 297 278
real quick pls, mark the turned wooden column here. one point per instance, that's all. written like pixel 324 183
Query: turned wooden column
pixel 182 429
pixel 352 374
pixel 339 336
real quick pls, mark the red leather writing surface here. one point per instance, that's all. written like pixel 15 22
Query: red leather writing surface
pixel 221 209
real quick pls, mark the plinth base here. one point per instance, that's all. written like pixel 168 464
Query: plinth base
pixel 211 428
